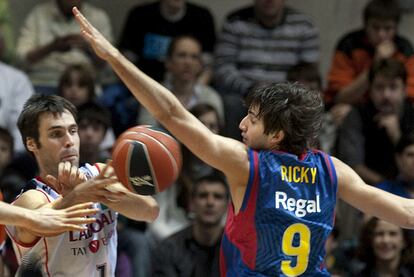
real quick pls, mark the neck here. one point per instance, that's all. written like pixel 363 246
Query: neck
pixel 388 268
pixel 207 235
pixel 171 13
pixel 183 90
pixel 270 21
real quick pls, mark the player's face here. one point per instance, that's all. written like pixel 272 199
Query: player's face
pixel 58 142
pixel 252 128
pixel 388 241
pixel 379 31
pixel 405 162
pixel 74 91
pixel 211 120
pixel 185 61
pixel 209 203
pixel 387 94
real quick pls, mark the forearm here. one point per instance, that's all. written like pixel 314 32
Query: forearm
pixel 14 215
pixel 353 92
pixel 38 54
pixel 134 206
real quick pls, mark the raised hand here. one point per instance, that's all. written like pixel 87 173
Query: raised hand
pixel 69 176
pixel 100 45
pixel 48 222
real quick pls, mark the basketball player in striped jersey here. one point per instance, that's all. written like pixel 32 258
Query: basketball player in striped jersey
pixel 283 192
pixel 49 130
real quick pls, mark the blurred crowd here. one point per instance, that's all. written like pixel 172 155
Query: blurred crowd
pixel 368 120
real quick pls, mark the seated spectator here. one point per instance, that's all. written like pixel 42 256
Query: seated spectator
pixel 386 250
pixel 183 66
pixel 50 41
pixel 195 250
pixel 367 137
pixel 355 53
pixel 93 123
pixel 403 184
pixel 260 43
pixel 150 28
pixel 6 148
pixel 308 74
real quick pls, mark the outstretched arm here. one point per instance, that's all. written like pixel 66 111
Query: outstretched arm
pixel 225 154
pixel 371 200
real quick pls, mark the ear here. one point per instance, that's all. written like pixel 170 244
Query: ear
pixel 277 137
pixel 31 144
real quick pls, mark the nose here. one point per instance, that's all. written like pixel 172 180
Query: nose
pixel 242 125
pixel 69 140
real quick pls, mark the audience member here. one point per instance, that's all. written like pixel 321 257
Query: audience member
pixel 15 89
pixel 194 251
pixel 260 43
pixel 6 148
pixel 357 51
pixel 6 33
pixel 150 28
pixel 386 250
pixel 50 41
pixel 369 133
pixel 183 66
pixel 403 184
pixel 93 123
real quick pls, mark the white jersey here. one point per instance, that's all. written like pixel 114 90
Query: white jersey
pixel 76 253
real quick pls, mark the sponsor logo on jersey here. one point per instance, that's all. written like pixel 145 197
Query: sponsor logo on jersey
pixel 102 220
pixel 300 207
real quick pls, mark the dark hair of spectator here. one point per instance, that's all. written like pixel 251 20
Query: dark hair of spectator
pixel 34 107
pixel 389 68
pixel 176 40
pixel 304 72
pixel 86 79
pixel 94 113
pixel 292 108
pixel 382 10
pixel 214 177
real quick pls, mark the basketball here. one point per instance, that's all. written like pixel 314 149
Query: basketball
pixel 146 160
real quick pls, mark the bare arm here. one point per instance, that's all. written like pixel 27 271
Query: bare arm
pixel 373 201
pixel 354 92
pixel 227 155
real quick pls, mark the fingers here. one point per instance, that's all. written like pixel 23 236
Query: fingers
pixel 82 206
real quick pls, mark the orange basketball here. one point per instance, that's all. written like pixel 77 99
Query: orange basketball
pixel 146 160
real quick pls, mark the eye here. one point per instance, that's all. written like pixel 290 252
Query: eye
pixel 73 130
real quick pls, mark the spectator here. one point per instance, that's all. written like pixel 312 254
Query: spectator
pixel 6 148
pixel 150 28
pixel 50 41
pixel 194 251
pixel 357 51
pixel 403 184
pixel 183 66
pixel 93 122
pixel 15 89
pixel 260 43
pixel 386 250
pixel 6 34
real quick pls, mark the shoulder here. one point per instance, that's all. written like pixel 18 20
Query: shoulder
pixel 293 16
pixel 351 41
pixel 9 71
pixel 32 199
pixel 404 46
pixel 145 8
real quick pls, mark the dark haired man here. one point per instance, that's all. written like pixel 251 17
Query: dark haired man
pixel 283 192
pixel 358 50
pixel 50 133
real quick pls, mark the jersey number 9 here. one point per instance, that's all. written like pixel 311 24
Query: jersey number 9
pixel 301 251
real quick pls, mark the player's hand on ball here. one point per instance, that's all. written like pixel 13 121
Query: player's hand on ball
pixel 69 176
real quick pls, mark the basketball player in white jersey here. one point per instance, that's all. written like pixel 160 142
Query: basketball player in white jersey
pixel 49 130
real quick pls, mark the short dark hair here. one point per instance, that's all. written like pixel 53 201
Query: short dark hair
pixel 304 71
pixel 389 68
pixel 291 108
pixel 86 79
pixel 94 113
pixel 176 39
pixel 405 141
pixel 214 177
pixel 35 106
pixel 7 137
pixel 382 10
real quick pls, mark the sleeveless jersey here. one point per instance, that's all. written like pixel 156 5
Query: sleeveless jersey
pixel 285 218
pixel 75 253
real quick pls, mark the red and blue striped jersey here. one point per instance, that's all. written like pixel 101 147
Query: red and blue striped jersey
pixel 285 218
